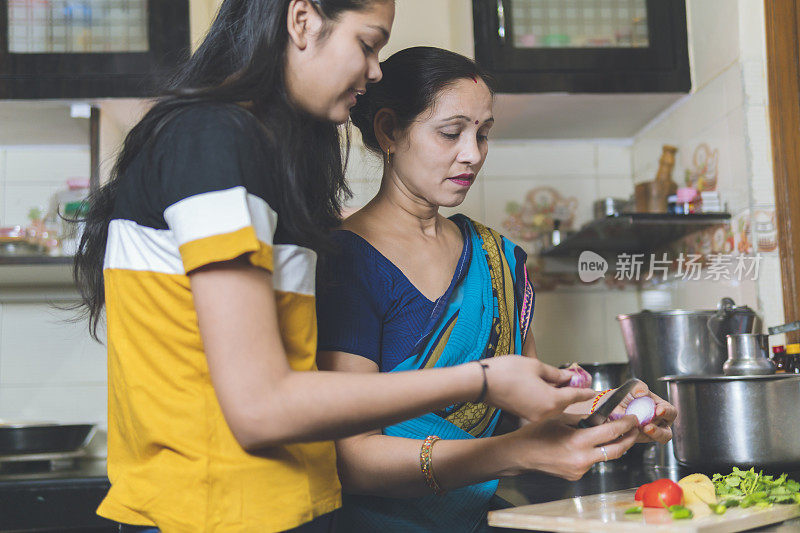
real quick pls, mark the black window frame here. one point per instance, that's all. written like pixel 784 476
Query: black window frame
pixel 663 66
pixel 87 75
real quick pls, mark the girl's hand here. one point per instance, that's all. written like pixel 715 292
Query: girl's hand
pixel 529 388
pixel 658 430
pixel 558 448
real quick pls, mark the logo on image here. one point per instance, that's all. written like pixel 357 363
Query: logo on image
pixel 591 266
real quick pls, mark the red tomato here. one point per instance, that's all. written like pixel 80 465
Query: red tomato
pixel 662 493
pixel 640 492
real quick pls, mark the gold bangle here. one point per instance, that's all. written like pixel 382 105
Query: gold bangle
pixel 426 465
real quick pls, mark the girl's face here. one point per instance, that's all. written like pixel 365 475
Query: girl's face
pixel 438 157
pixel 325 72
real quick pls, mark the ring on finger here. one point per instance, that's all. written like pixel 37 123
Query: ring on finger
pixel 605 453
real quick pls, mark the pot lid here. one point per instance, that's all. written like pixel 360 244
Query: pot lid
pixel 725 309
pixel 698 377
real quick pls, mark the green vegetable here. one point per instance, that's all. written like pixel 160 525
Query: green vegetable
pixel 718 508
pixel 748 488
pixel 636 509
pixel 679 512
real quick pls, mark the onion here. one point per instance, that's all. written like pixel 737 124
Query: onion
pixel 581 379
pixel 643 408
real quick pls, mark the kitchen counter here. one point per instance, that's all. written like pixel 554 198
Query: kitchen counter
pixel 64 500
pixel 539 488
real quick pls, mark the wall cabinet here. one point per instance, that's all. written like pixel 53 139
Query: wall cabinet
pixel 583 46
pixel 89 48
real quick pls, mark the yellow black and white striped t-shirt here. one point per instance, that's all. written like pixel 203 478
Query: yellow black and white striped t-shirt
pixel 200 195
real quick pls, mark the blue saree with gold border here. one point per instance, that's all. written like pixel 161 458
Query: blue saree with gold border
pixel 485 312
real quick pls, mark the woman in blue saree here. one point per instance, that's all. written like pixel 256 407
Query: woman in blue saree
pixel 410 290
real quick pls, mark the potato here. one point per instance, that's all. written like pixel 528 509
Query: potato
pixel 698 488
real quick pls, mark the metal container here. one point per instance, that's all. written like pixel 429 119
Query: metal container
pixel 608 207
pixel 607 375
pixel 736 420
pixel 679 342
pixel 20 439
pixel 748 355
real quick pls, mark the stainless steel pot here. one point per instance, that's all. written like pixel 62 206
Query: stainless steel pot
pixel 679 342
pixel 607 375
pixel 736 420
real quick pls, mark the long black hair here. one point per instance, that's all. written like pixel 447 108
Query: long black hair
pixel 412 79
pixel 241 59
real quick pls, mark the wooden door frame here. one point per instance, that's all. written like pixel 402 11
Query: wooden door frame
pixel 783 73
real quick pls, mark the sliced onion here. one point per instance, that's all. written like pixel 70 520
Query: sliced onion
pixel 581 379
pixel 643 408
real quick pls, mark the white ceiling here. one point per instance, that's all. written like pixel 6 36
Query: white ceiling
pixel 576 116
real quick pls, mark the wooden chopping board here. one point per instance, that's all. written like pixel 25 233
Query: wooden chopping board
pixel 606 512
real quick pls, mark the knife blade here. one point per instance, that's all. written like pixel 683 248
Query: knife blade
pixel 602 413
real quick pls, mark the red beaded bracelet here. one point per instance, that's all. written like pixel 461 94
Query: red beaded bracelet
pixel 426 465
pixel 597 399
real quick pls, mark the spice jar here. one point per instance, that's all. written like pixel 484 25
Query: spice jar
pixel 779 358
pixel 687 201
pixel 793 358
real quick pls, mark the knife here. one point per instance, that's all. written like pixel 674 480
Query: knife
pixel 602 413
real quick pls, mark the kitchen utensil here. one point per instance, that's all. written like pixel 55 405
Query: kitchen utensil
pixel 608 207
pixel 785 328
pixel 736 420
pixel 602 413
pixel 748 355
pixel 724 321
pixel 606 512
pixel 680 342
pixel 35 438
pixel 607 375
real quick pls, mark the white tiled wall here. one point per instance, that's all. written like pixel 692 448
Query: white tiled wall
pixel 728 111
pixel 50 370
pixel 30 175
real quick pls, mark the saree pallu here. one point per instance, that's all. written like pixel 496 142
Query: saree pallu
pixel 485 312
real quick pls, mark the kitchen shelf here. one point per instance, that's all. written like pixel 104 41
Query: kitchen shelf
pixel 633 233
pixel 36 278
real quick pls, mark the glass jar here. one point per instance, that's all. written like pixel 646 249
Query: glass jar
pixel 72 226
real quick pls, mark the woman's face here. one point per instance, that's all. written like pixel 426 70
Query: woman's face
pixel 326 72
pixel 438 157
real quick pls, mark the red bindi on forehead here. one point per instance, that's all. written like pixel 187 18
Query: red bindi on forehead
pixel 476 122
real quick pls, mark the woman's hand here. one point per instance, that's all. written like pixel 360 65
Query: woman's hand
pixel 558 448
pixel 658 430
pixel 529 388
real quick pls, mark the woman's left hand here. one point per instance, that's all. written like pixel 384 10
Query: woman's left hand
pixel 658 429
